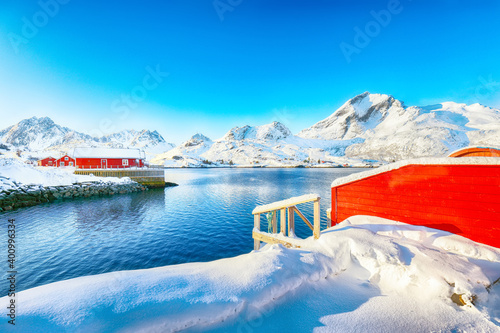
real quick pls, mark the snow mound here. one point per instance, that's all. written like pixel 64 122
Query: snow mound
pixel 365 274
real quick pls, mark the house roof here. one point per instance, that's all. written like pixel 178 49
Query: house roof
pixel 106 153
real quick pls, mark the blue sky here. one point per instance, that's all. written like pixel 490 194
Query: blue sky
pixel 88 64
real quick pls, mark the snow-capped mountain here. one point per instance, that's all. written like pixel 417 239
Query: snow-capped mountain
pixel 150 141
pixel 40 135
pixel 367 128
pixel 267 145
pixel 269 132
pixel 391 131
pixel 358 115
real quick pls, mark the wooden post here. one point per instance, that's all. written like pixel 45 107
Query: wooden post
pixel 291 222
pixel 283 221
pixel 317 220
pixel 274 222
pixel 256 225
pixel 329 218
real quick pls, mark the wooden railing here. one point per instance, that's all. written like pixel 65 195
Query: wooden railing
pixel 285 206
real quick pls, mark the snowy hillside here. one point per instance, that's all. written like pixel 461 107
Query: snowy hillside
pixel 366 129
pixel 267 145
pixel 40 133
pixel 391 131
pixel 41 136
pixel 364 275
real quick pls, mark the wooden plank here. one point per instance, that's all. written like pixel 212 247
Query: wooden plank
pixel 283 221
pixel 285 203
pixel 258 237
pixel 256 225
pixel 317 221
pixel 291 221
pixel 303 217
pixel 274 222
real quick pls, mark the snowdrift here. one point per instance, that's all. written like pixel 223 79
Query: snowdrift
pixel 365 274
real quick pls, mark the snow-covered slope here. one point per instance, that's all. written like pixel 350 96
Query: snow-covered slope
pixel 358 115
pixel 367 128
pixel 267 145
pixel 364 275
pixel 42 135
pixel 391 131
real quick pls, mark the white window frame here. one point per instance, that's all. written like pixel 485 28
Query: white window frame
pixel 61 163
pixel 66 158
pixel 125 161
pixel 70 164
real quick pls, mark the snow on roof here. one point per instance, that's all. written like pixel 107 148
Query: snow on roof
pixel 472 147
pixel 418 161
pixel 106 153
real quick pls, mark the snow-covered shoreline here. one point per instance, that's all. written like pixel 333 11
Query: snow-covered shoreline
pixel 398 276
pixel 23 185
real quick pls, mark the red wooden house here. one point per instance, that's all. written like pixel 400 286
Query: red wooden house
pixel 48 161
pixel 108 158
pixel 66 160
pixel 459 195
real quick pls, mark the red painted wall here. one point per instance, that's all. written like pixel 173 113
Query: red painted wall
pixel 112 163
pixel 66 162
pixel 49 161
pixel 462 199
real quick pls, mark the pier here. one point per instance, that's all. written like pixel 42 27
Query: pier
pixel 152 176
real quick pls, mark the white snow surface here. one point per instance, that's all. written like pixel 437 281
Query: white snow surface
pixel 364 275
pixel 14 171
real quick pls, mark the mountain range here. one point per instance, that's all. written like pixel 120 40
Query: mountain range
pixel 41 135
pixel 368 128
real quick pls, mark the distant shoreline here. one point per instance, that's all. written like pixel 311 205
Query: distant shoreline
pixel 271 167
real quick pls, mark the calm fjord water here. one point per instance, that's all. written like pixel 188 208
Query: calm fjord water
pixel 207 217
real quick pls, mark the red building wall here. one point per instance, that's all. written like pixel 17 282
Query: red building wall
pixel 112 163
pixel 67 160
pixel 462 199
pixel 49 161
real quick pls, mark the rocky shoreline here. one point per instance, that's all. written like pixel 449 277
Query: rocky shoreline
pixel 30 195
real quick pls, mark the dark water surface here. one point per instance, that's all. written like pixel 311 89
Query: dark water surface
pixel 207 217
